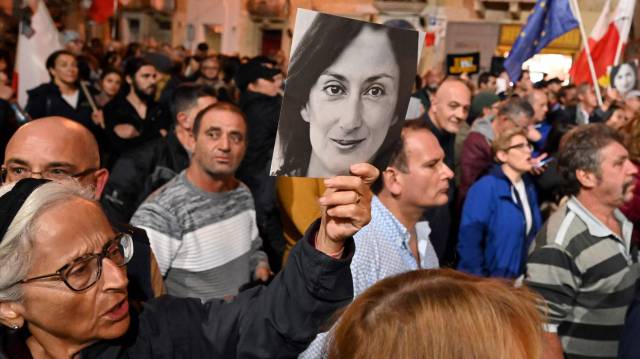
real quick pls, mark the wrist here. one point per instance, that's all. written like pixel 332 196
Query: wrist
pixel 327 246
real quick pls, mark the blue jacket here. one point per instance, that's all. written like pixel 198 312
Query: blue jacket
pixel 492 239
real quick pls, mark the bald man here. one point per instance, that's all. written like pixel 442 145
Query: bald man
pixel 449 109
pixel 58 148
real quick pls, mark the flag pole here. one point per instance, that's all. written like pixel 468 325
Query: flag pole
pixel 585 42
pixel 115 20
pixel 616 62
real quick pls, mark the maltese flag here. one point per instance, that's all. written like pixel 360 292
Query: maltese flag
pixel 38 38
pixel 606 42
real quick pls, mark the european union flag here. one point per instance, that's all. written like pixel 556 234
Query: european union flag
pixel 549 20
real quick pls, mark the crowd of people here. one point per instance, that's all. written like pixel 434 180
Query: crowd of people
pixel 157 160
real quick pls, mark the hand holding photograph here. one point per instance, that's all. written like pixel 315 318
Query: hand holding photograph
pixel 346 95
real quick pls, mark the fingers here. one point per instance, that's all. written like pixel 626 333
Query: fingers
pixel 367 172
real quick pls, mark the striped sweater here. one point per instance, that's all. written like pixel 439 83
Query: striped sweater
pixel 587 275
pixel 206 243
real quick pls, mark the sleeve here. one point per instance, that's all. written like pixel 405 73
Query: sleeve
pixel 258 258
pixel 163 231
pixel 36 105
pixel 276 321
pixel 123 192
pixel 473 161
pixel 629 344
pixel 553 274
pixel 474 223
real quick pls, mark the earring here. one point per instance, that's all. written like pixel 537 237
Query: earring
pixel 14 326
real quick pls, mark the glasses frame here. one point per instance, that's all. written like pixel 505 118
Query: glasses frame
pixel 4 173
pixel 520 146
pixel 61 273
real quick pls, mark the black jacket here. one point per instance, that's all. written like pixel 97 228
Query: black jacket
pixel 278 321
pixel 120 111
pixel 262 113
pixel 138 173
pixel 46 100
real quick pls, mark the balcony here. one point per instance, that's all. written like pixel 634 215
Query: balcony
pixel 513 7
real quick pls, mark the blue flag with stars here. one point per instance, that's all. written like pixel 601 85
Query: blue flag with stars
pixel 549 20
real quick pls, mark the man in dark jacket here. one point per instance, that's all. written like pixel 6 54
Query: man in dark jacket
pixel 135 118
pixel 260 84
pixel 449 110
pixel 136 174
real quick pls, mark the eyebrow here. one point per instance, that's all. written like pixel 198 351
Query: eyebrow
pixel 51 164
pixel 18 161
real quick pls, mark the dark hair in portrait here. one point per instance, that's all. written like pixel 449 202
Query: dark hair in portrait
pixel 321 45
pixel 614 72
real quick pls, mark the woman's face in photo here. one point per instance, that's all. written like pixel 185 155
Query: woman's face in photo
pixel 352 104
pixel 625 79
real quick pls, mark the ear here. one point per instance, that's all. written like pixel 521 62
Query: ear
pixel 501 156
pixel 11 314
pixel 101 175
pixel 182 119
pixel 587 179
pixel 252 87
pixel 129 80
pixel 304 113
pixel 393 181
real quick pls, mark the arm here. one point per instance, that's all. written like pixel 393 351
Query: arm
pixel 259 262
pixel 474 224
pixel 123 192
pixel 36 105
pixel 475 160
pixel 552 273
pixel 163 232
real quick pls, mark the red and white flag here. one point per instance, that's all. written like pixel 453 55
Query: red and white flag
pixel 101 10
pixel 606 42
pixel 36 42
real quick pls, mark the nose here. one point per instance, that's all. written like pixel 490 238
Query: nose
pixel 114 277
pixel 351 114
pixel 224 144
pixel 633 169
pixel 447 172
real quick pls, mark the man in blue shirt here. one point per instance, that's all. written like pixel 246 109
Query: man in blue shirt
pixel 395 241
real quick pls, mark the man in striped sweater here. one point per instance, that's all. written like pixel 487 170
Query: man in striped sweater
pixel 202 224
pixel 584 264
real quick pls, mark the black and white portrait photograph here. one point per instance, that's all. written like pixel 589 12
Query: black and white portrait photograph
pixel 346 94
pixel 624 77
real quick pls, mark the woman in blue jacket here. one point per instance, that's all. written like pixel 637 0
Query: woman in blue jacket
pixel 500 217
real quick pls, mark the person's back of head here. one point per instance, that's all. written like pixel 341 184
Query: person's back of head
pixel 440 313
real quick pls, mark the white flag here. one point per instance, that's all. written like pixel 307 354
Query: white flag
pixel 32 51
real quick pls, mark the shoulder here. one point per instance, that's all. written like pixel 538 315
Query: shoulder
pixel 43 90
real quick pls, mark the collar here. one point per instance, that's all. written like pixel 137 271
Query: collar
pixel 595 227
pixel 381 214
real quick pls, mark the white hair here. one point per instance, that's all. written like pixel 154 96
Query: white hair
pixel 16 244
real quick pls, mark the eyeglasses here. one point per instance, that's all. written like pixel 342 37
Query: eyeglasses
pixel 84 272
pixel 520 146
pixel 18 172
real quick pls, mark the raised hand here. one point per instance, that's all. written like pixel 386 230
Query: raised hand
pixel 346 207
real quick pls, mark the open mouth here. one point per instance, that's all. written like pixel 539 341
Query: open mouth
pixel 347 144
pixel 118 311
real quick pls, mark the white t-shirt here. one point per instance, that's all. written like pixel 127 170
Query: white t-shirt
pixel 522 193
pixel 72 99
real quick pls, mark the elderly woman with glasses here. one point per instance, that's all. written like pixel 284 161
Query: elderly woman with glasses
pixel 501 215
pixel 63 283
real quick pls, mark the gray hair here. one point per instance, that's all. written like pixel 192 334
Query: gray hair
pixel 16 245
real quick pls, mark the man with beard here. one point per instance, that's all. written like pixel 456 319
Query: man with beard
pixel 584 263
pixel 134 117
